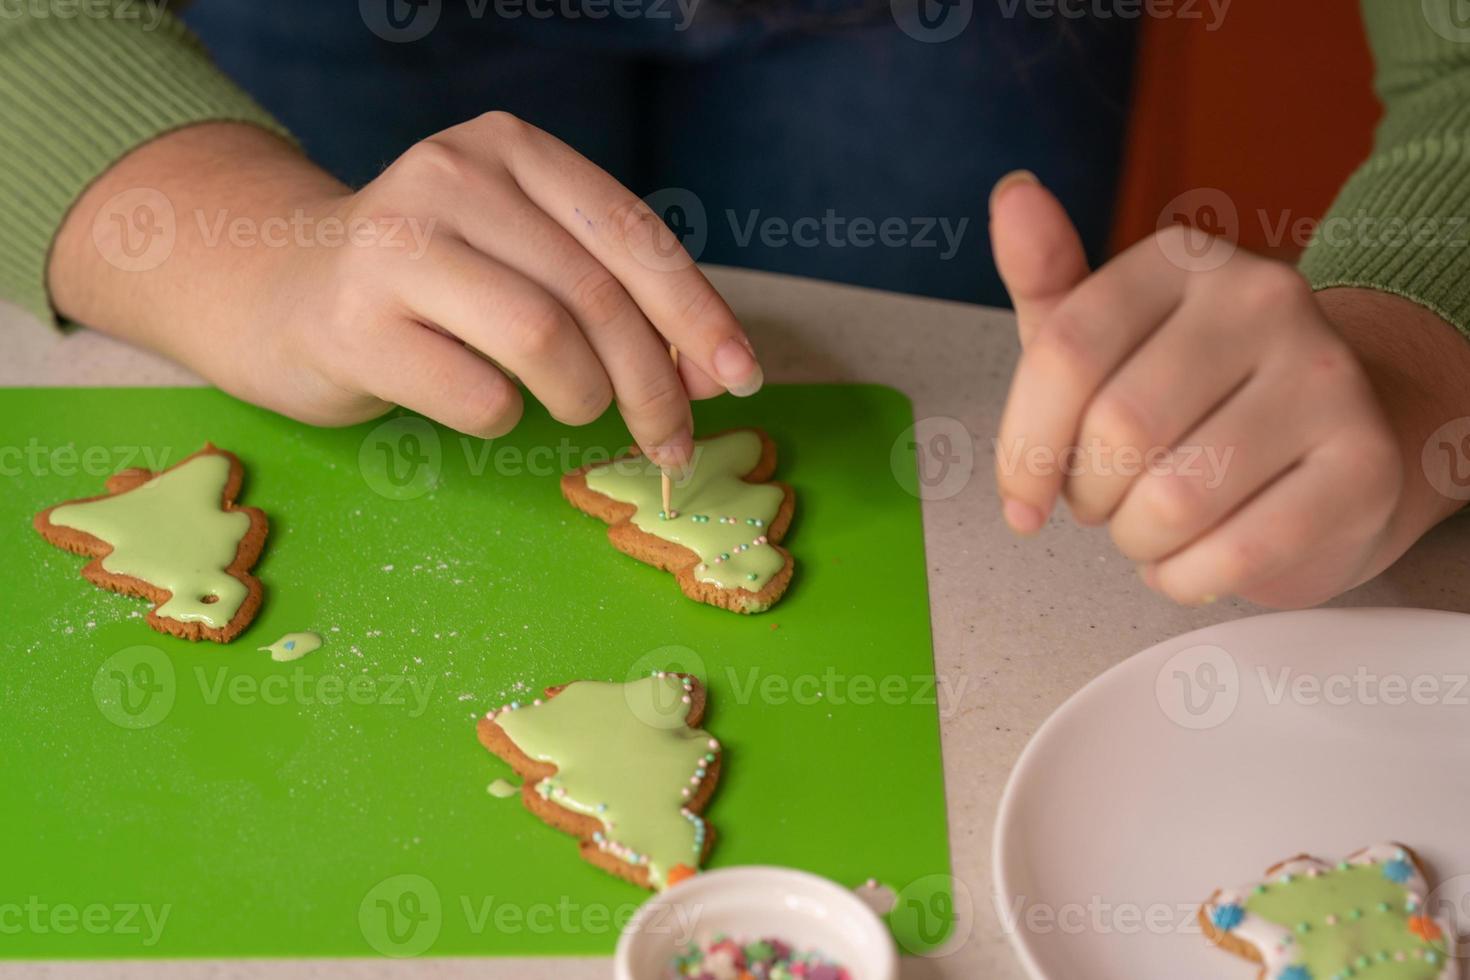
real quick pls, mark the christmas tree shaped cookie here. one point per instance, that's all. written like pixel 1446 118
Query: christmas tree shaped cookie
pixel 623 767
pixel 176 538
pixel 721 538
pixel 1364 917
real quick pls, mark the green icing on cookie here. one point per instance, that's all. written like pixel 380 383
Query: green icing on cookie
pixel 717 515
pixel 1349 921
pixel 624 755
pixel 171 533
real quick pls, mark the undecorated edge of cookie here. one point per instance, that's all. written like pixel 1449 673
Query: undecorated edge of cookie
pixel 678 560
pixel 246 553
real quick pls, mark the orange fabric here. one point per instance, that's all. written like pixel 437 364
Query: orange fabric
pixel 1274 108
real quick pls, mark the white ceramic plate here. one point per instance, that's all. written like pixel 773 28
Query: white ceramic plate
pixel 1203 760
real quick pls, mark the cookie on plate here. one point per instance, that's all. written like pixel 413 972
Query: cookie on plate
pixel 1362 917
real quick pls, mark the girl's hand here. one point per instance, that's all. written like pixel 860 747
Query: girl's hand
pixel 1200 402
pixel 488 250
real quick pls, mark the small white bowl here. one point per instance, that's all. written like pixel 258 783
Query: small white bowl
pixel 748 903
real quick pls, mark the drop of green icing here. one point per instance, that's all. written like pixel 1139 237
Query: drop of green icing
pixel 171 533
pixel 624 755
pixel 714 487
pixel 293 646
pixel 500 789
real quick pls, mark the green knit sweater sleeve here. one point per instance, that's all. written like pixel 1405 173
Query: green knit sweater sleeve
pixel 79 91
pixel 1401 224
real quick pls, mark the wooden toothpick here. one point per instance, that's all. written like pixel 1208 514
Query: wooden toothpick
pixel 668 486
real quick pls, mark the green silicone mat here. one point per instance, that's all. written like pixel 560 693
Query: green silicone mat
pixel 197 800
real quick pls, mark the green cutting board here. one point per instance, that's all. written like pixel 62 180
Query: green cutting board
pixel 203 800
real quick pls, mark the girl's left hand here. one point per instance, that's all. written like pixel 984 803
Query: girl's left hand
pixel 1201 404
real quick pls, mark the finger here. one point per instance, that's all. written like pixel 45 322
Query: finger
pixel 1303 513
pixel 631 242
pixel 1037 249
pixel 411 365
pixel 1261 431
pixel 505 316
pixel 649 391
pixel 1180 374
pixel 699 385
pixel 1084 339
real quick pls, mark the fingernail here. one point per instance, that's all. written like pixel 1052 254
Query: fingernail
pixel 737 369
pixel 1023 518
pixel 1150 575
pixel 1010 180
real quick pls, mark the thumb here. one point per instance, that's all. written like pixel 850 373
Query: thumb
pixel 1037 249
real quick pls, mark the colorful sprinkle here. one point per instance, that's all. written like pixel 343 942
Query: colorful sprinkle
pixel 723 958
pixel 1398 870
pixel 1425 928
pixel 1227 917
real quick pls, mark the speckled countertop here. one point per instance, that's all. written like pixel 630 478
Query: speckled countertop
pixel 1025 623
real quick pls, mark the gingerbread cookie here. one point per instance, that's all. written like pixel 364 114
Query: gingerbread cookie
pixel 623 767
pixel 176 538
pixel 1362 917
pixel 721 538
